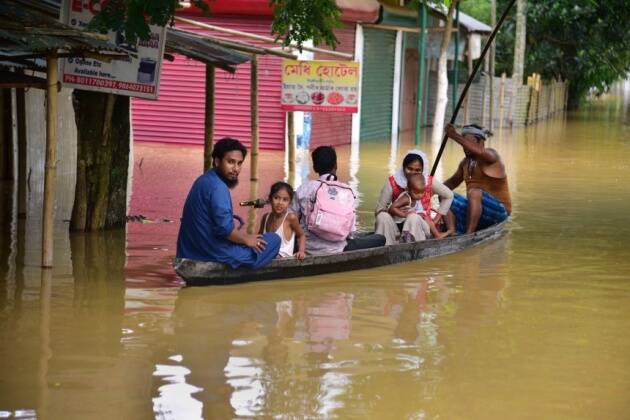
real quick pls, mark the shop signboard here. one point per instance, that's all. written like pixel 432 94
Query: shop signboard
pixel 138 75
pixel 320 86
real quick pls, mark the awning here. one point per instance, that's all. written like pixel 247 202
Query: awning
pixel 204 48
pixel 27 34
pixel 408 17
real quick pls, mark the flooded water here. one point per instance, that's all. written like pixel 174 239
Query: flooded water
pixel 534 325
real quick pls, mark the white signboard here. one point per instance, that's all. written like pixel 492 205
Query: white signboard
pixel 136 76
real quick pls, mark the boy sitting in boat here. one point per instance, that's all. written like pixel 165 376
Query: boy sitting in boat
pixel 410 201
pixel 325 209
pixel 207 231
pixel 283 222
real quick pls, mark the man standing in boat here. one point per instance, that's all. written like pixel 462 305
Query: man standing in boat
pixel 207 231
pixel 487 199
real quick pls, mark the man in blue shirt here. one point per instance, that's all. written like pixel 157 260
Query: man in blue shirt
pixel 207 231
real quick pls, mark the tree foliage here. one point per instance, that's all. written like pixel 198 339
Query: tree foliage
pixel 302 20
pixel 294 20
pixel 583 41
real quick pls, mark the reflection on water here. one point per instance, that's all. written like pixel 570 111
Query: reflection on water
pixel 533 325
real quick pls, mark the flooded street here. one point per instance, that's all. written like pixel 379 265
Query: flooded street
pixel 534 325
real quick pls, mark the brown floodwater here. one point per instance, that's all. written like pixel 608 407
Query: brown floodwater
pixel 534 325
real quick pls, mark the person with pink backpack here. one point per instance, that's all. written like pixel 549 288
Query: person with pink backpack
pixel 325 208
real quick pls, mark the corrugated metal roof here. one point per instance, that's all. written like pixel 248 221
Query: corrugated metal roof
pixel 202 48
pixel 473 25
pixel 29 31
pixel 466 22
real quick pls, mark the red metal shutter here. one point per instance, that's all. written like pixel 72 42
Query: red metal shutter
pixel 178 115
pixel 334 128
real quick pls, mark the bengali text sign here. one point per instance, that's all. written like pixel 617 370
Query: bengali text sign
pixel 320 86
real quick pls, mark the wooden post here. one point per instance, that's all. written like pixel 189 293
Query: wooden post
pixel 470 69
pixel 45 352
pixel 484 97
pixel 4 155
pixel 208 134
pixel 501 98
pixel 422 15
pixel 50 167
pixel 253 176
pixel 493 20
pixel 254 119
pixel 21 140
pixel 291 145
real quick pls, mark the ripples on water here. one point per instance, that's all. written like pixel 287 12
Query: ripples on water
pixel 533 325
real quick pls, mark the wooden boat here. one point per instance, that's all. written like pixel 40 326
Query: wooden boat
pixel 198 273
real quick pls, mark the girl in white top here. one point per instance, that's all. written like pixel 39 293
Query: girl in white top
pixel 284 223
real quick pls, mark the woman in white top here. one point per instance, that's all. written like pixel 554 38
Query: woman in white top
pixel 284 223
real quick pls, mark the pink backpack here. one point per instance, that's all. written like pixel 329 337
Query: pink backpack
pixel 331 216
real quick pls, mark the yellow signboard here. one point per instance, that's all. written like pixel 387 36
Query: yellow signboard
pixel 320 86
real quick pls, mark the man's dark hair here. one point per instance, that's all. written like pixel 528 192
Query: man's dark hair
pixel 225 145
pixel 324 159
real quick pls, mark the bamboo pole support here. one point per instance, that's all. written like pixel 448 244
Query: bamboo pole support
pixel 45 352
pixel 425 100
pixel 421 55
pixel 21 140
pixel 455 87
pixel 208 134
pixel 4 157
pixel 291 146
pixel 486 91
pixel 501 99
pixel 50 167
pixel 253 176
pixel 493 49
pixel 469 58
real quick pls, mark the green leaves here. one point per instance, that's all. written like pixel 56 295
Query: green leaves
pixel 584 41
pixel 301 20
pixel 294 20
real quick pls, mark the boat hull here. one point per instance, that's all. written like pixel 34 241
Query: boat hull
pixel 199 273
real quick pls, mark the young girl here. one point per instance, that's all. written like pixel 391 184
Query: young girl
pixel 283 222
pixel 410 202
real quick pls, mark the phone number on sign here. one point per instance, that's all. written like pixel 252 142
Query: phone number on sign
pixel 108 84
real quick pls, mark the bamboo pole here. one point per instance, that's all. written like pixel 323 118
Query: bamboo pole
pixel 45 352
pixel 50 167
pixel 455 63
pixel 501 98
pixel 21 140
pixel 253 176
pixel 493 19
pixel 4 157
pixel 208 134
pixel 421 54
pixel 470 69
pixel 427 92
pixel 291 145
pixel 484 97
pixel 254 118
